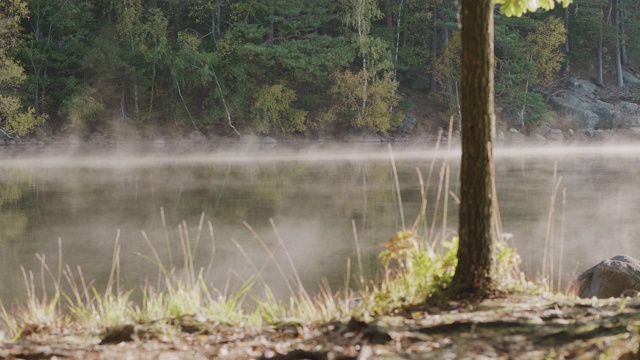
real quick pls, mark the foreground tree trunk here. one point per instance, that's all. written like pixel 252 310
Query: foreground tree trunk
pixel 473 273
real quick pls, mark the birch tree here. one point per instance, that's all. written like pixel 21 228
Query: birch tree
pixel 370 94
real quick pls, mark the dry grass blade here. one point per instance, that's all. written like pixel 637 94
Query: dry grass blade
pixel 156 258
pixel 272 258
pixel 301 288
pixel 548 243
pixel 166 237
pixel 423 203
pixel 356 239
pixel 257 272
pixel 397 183
pixel 437 204
pixel 114 275
pixel 561 255
pixel 213 248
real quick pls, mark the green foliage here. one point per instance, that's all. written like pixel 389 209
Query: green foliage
pixel 587 26
pixel 357 17
pixel 309 60
pixel 368 95
pixel 11 74
pixel 418 271
pixel 519 7
pixel 81 109
pixel 11 13
pixel 15 119
pixel 528 55
pixel 542 58
pixel 154 61
pixel 448 71
pixel 543 49
pixel 273 111
pixel 507 270
pixel 368 106
pixel 359 14
pixel 60 31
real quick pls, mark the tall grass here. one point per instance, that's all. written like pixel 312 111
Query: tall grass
pixel 416 261
pixel 181 292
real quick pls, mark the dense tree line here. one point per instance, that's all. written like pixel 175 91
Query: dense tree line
pixel 280 66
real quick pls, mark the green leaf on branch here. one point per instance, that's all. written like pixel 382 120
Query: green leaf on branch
pixel 519 7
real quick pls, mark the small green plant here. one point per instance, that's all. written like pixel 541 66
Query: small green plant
pixel 39 313
pixel 418 270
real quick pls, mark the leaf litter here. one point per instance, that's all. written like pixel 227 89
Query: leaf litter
pixel 515 326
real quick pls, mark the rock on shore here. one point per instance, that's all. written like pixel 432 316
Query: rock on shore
pixel 614 277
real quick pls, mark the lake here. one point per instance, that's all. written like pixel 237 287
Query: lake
pixel 315 201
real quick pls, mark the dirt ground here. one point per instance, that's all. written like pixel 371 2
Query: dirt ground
pixel 502 327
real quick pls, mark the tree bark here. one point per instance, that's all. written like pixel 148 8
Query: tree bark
pixel 623 33
pixel 434 49
pixel 37 63
pixel 600 79
pixel 271 34
pixel 473 272
pixel 361 40
pixel 616 17
pixel 388 12
pixel 397 49
pixel 567 48
pixel 216 20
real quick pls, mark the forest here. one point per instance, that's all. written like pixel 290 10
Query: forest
pixel 305 67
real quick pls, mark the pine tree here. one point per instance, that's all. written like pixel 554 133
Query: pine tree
pixel 474 269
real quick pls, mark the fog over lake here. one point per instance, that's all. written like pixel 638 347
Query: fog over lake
pixel 310 198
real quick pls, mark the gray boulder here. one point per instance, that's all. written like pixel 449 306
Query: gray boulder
pixel 612 277
pixel 579 103
pixel 555 134
pixel 537 139
pixel 197 136
pixel 630 79
pixel 627 113
pixel 515 137
pixel 543 129
pixel 408 123
pixel 268 140
pixel 585 87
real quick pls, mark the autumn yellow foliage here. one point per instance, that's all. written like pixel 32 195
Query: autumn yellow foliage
pixel 544 49
pixel 366 100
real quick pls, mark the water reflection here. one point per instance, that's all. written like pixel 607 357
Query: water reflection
pixel 312 198
pixel 13 221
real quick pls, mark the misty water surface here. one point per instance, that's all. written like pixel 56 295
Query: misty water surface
pixel 312 197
